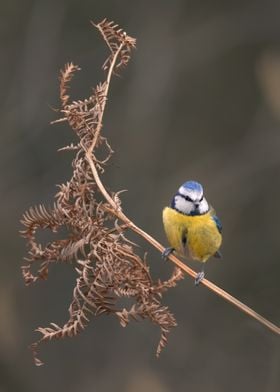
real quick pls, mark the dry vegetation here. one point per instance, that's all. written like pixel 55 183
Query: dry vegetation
pixel 107 264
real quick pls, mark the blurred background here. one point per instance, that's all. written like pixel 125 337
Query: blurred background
pixel 199 100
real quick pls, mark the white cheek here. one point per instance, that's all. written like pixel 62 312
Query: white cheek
pixel 203 207
pixel 183 205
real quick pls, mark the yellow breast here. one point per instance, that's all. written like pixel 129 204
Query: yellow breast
pixel 195 236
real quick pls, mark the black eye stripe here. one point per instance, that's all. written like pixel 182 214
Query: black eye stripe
pixel 187 198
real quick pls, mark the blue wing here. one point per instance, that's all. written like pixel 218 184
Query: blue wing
pixel 218 223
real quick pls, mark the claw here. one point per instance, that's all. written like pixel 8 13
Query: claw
pixel 218 255
pixel 166 253
pixel 199 277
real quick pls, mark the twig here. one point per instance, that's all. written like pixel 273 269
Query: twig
pixel 120 215
pixel 222 293
pixel 102 109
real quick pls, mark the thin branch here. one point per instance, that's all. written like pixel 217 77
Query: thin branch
pixel 222 293
pixel 102 109
pixel 120 215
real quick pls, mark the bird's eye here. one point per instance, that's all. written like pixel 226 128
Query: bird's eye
pixel 188 198
pixel 201 198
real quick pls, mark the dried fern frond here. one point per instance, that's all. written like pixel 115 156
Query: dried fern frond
pixel 117 40
pixel 106 262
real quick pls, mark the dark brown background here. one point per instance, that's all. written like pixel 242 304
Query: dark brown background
pixel 200 100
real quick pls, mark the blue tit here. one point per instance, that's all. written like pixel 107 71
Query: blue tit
pixel 192 228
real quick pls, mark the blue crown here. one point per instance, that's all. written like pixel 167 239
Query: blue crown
pixel 194 186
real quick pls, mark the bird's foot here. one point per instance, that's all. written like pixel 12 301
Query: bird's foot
pixel 218 255
pixel 166 253
pixel 199 277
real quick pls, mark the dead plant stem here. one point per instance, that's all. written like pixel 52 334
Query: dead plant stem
pixel 120 215
pixel 222 293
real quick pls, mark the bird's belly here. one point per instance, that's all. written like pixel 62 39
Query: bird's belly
pixel 196 237
pixel 203 242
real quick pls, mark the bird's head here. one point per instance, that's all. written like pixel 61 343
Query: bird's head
pixel 189 199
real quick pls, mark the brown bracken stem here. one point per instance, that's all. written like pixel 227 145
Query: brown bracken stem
pixel 116 210
pixel 222 293
pixel 102 109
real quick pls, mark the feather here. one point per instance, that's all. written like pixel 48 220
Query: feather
pixel 218 223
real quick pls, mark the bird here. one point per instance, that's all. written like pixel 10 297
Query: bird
pixel 192 227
